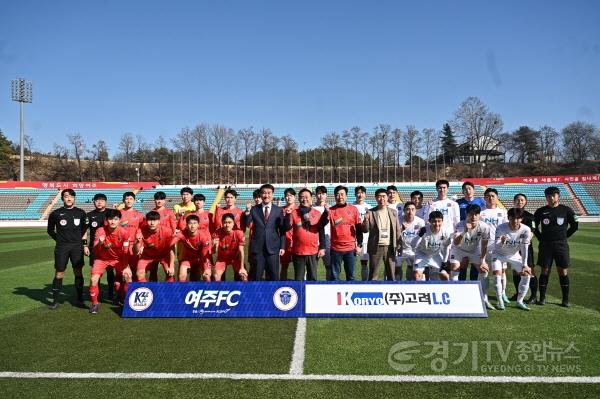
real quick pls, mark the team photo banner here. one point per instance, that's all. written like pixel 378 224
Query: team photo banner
pixel 398 299
pixel 222 299
pixel 305 299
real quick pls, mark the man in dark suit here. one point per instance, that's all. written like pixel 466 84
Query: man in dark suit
pixel 268 236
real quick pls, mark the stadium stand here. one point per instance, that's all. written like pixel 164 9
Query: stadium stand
pixel 589 195
pixel 24 204
pixel 535 195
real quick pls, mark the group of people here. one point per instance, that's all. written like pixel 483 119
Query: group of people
pixel 437 240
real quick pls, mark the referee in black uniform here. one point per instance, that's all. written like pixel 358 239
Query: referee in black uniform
pixel 95 220
pixel 67 226
pixel 554 223
pixel 519 202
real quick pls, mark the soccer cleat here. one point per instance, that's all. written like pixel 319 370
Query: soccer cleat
pixel 505 299
pixel 54 306
pixel 542 301
pixel 565 304
pixel 531 301
pixel 514 297
pixel 522 306
pixel 94 309
pixel 489 306
pixel 500 306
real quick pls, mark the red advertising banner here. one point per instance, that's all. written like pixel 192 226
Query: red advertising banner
pixel 534 179
pixel 60 185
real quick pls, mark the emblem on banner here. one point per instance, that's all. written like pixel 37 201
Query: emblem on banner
pixel 285 298
pixel 141 299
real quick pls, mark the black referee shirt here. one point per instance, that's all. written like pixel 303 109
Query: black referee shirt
pixel 554 224
pixel 67 225
pixel 95 220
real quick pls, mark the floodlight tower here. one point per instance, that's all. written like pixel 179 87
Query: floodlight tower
pixel 21 92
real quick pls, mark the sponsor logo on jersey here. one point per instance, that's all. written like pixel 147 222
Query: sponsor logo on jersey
pixel 338 221
pixel 94 224
pixel 63 222
pixel 285 298
pixel 76 221
pixel 560 221
pixel 141 299
pixel 546 221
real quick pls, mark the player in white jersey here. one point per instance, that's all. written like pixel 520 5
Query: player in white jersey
pixel 321 194
pixel 445 205
pixel 411 225
pixel 470 243
pixel 431 246
pixel 511 246
pixel 393 197
pixel 360 193
pixel 494 216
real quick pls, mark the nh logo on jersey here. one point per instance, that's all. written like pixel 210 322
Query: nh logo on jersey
pixel 141 299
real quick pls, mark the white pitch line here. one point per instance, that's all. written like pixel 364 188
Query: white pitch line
pixel 297 364
pixel 310 377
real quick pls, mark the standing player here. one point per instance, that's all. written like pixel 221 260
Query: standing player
pixel 230 196
pixel 554 223
pixel 494 216
pixel 447 207
pixel 111 250
pixel 411 225
pixel 519 202
pixel 468 190
pixel 470 242
pixel 95 221
pixel 321 202
pixel 360 193
pixel 417 198
pixel 204 216
pixel 167 218
pixel 392 193
pixel 131 219
pixel 196 246
pixel 153 247
pixel 67 226
pixel 230 250
pixel 346 234
pixel 289 196
pixel 512 242
pixel 186 204
pixel 431 247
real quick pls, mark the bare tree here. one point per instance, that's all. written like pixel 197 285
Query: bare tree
pixel 78 145
pixel 429 142
pixel 199 134
pixel 331 142
pixel 548 137
pixel 357 138
pixel 383 132
pixel 99 154
pixel 577 137
pixel 246 138
pixel 290 148
pixel 478 127
pixel 396 143
pixel 411 141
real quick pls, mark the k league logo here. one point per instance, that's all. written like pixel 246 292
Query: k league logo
pixel 141 299
pixel 285 298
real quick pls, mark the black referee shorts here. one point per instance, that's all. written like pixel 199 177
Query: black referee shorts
pixel 64 253
pixel 554 251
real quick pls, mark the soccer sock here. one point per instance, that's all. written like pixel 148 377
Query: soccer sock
pixel 94 292
pixel 533 286
pixel 516 281
pixel 117 287
pixel 522 288
pixel 398 273
pixel 564 286
pixel 123 290
pixel 56 288
pixel 483 278
pixel 543 285
pixel 498 288
pixel 170 279
pixel 79 287
pixel 454 275
pixel 504 281
pixel 110 280
pixel 462 275
pixel 364 272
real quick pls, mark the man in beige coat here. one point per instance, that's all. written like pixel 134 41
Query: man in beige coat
pixel 385 236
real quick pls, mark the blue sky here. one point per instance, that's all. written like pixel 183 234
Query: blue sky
pixel 305 68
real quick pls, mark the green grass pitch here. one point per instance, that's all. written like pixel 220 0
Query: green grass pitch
pixel 35 339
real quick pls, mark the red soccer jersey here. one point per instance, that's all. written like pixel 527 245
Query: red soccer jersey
pixel 219 212
pixel 115 246
pixel 289 235
pixel 194 247
pixel 131 220
pixel 205 220
pixel 343 221
pixel 305 232
pixel 229 244
pixel 156 244
pixel 167 218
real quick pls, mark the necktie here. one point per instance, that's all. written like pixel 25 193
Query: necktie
pixel 266 213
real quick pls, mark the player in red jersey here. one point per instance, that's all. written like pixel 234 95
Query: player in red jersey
pixel 289 196
pixel 111 250
pixel 167 217
pixel 153 246
pixel 204 216
pixel 230 196
pixel 131 219
pixel 230 249
pixel 196 250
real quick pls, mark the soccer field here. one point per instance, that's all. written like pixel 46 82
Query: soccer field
pixel 278 357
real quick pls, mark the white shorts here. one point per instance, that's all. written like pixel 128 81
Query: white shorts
pixel 457 255
pixel 364 255
pixel 501 262
pixel 434 262
pixel 409 258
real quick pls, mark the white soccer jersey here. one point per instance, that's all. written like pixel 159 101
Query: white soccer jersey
pixel 449 209
pixel 362 209
pixel 510 242
pixel 327 228
pixel 471 242
pixel 422 212
pixel 409 234
pixel 494 217
pixel 429 244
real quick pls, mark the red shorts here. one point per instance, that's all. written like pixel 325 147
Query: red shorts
pixel 222 265
pixel 147 264
pixel 198 264
pixel 100 266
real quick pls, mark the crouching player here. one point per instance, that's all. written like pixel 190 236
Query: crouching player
pixel 196 245
pixel 230 249
pixel 431 246
pixel 153 247
pixel 111 250
pixel 511 246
